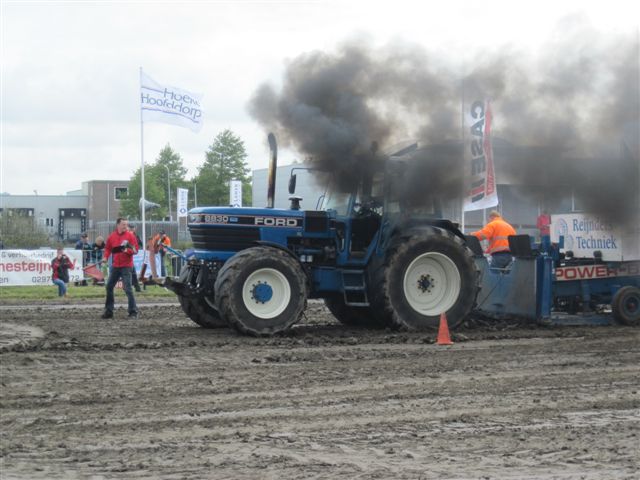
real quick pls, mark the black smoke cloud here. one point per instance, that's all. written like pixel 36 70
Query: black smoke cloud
pixel 569 113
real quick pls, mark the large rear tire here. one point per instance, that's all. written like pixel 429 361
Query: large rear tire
pixel 626 305
pixel 261 291
pixel 425 273
pixel 352 316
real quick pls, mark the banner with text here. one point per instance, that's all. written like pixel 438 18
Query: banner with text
pixel 478 155
pixel 170 104
pixel 33 267
pixel 584 234
pixel 235 193
pixel 183 198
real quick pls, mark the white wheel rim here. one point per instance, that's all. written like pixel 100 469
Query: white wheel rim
pixel 280 293
pixel 431 284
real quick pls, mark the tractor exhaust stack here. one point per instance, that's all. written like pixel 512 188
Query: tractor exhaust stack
pixel 273 165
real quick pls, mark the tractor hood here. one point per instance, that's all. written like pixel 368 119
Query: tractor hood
pixel 258 217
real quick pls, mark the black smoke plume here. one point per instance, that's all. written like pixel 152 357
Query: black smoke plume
pixel 568 115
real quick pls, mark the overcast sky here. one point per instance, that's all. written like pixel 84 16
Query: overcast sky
pixel 70 70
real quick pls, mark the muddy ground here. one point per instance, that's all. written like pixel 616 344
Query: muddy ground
pixel 160 397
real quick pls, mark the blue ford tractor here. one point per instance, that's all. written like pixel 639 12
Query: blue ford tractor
pixel 376 259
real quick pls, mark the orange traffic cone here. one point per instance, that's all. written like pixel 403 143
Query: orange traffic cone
pixel 443 332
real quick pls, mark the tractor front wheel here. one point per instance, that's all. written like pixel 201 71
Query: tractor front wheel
pixel 261 291
pixel 200 310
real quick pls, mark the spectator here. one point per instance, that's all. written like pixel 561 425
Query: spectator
pixel 60 266
pixel 149 264
pixel 122 244
pixel 543 224
pixel 161 240
pixel 97 250
pixel 84 245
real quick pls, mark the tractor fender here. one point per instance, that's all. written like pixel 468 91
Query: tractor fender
pixel 411 225
pixel 293 255
pixel 406 230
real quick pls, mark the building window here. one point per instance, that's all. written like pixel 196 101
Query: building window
pixel 120 192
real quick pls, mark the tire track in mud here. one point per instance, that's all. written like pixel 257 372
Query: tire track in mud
pixel 159 398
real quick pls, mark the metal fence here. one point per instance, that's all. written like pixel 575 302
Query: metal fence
pixel 104 229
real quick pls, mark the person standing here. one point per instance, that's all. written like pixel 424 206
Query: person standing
pixel 160 240
pixel 134 274
pixel 97 250
pixel 84 245
pixel 543 223
pixel 497 232
pixel 60 266
pixel 122 244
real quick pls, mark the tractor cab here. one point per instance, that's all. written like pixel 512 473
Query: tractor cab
pixel 365 216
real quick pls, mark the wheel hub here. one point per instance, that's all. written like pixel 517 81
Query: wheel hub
pixel 425 283
pixel 262 292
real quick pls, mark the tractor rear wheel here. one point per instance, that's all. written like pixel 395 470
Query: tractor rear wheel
pixel 425 273
pixel 200 310
pixel 626 305
pixel 352 316
pixel 261 291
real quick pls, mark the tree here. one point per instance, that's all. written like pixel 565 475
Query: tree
pixel 155 185
pixel 18 231
pixel 225 160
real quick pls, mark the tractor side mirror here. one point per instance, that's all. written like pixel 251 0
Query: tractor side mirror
pixel 292 184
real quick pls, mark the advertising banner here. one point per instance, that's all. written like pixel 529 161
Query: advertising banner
pixel 235 193
pixel 183 197
pixel 139 260
pixel 33 267
pixel 478 156
pixel 584 234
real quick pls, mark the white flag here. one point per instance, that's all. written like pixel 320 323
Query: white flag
pixel 478 155
pixel 183 196
pixel 235 193
pixel 169 104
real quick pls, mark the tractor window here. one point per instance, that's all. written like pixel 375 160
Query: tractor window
pixel 337 201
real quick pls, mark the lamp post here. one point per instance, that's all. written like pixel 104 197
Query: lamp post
pixel 35 208
pixel 169 193
pixel 195 194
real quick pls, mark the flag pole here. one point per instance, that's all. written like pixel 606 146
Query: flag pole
pixel 142 202
pixel 464 172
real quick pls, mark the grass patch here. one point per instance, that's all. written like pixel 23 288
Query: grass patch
pixel 50 292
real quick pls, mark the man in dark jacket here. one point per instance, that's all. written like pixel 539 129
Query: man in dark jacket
pixel 60 272
pixel 122 244
pixel 84 245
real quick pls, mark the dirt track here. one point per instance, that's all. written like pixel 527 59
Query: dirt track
pixel 162 398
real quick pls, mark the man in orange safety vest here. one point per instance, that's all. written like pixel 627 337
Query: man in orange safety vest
pixel 497 232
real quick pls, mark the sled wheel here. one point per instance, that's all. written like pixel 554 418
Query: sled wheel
pixel 352 316
pixel 261 291
pixel 626 305
pixel 425 273
pixel 201 311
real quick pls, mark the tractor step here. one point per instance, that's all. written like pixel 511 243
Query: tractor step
pixel 355 288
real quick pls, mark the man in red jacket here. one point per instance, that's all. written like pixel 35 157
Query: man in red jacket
pixel 123 245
